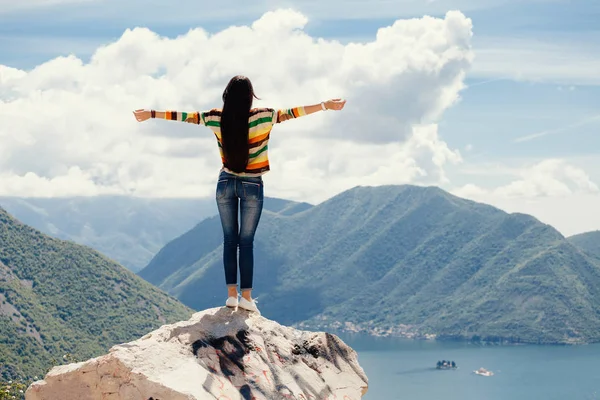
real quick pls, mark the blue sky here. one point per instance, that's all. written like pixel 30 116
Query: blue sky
pixel 533 90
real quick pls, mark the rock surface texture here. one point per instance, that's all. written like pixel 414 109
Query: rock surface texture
pixel 218 354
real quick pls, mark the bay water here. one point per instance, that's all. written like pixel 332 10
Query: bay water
pixel 405 370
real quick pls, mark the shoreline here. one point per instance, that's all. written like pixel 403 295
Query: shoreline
pixel 413 333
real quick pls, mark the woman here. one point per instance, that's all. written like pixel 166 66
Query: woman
pixel 242 134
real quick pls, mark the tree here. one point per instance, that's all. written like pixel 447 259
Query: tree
pixel 12 390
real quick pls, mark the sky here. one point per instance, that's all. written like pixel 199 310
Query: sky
pixel 497 101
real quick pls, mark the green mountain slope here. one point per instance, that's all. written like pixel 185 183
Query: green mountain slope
pixel 402 260
pixel 203 239
pixel 588 242
pixel 57 297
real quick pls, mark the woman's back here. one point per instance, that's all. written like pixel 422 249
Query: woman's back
pixel 260 124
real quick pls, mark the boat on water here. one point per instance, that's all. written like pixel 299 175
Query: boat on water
pixel 484 372
pixel 446 365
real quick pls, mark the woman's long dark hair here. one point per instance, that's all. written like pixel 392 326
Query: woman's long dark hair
pixel 237 102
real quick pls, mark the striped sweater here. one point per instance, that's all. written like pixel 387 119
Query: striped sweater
pixel 260 123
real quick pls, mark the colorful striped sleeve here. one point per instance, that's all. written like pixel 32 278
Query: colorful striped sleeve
pixel 285 114
pixel 190 117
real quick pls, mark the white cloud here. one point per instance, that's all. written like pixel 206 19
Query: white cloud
pixel 67 126
pixel 552 190
pixel 547 178
pixel 337 165
pixel 74 182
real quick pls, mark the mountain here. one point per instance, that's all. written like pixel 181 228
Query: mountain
pixel 185 250
pixel 588 242
pixel 402 260
pixel 60 298
pixel 130 230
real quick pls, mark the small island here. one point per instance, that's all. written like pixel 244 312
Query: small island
pixel 444 364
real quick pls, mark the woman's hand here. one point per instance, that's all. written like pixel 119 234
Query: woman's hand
pixel 142 115
pixel 335 104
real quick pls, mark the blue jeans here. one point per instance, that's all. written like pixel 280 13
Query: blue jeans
pixel 250 193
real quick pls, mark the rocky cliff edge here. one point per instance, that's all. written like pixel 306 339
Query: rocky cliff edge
pixel 218 354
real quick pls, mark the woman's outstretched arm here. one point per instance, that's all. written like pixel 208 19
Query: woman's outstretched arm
pixel 285 114
pixel 191 117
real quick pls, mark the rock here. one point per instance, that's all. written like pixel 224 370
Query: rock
pixel 218 354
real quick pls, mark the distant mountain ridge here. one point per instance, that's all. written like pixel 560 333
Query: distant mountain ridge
pixel 130 230
pixel 588 242
pixel 402 260
pixel 57 297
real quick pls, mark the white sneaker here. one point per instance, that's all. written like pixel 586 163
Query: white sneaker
pixel 249 305
pixel 232 302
